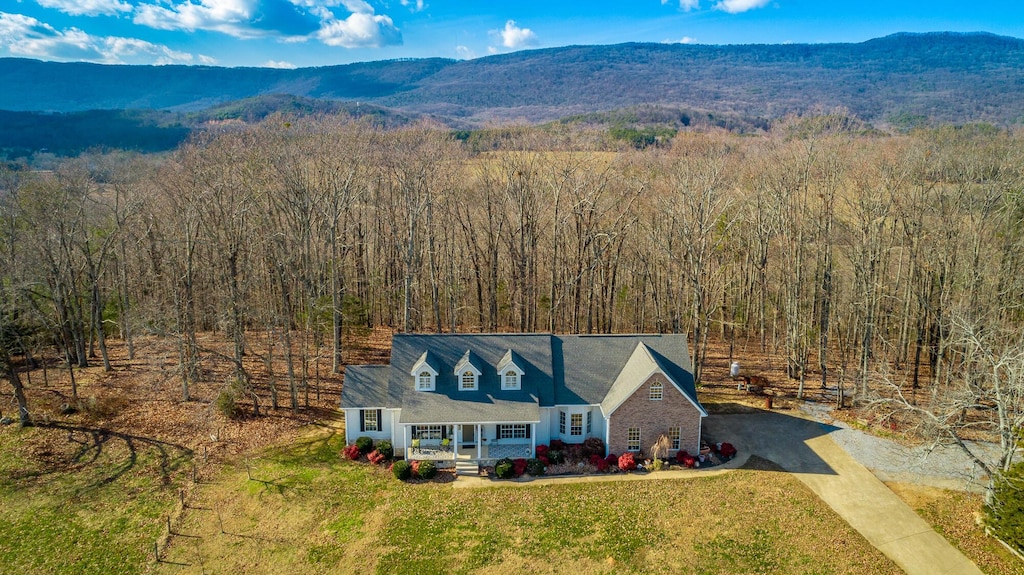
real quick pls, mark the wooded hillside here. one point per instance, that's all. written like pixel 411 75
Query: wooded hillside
pixel 901 80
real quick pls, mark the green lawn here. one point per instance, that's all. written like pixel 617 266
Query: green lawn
pixel 306 510
pixel 81 503
pixel 78 502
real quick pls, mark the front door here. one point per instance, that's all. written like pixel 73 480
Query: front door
pixel 468 435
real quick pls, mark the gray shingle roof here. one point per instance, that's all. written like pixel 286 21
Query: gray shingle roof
pixel 560 370
pixel 489 403
pixel 367 386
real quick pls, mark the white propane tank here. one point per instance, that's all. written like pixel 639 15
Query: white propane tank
pixel 734 369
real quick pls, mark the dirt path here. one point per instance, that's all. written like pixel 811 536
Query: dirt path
pixel 806 450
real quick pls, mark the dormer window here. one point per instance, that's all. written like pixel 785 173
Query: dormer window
pixel 424 373
pixel 467 372
pixel 510 380
pixel 510 371
pixel 468 381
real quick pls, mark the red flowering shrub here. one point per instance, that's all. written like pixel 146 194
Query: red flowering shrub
pixel 544 459
pixel 375 457
pixel 352 451
pixel 596 460
pixel 557 444
pixel 415 468
pixel 542 451
pixel 627 462
pixel 602 465
pixel 727 450
pixel 681 455
pixel 519 466
pixel 689 461
pixel 612 460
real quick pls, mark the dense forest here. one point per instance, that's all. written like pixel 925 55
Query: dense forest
pixel 889 266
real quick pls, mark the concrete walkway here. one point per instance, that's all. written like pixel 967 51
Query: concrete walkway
pixel 803 448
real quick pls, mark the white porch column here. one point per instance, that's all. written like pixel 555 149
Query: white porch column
pixel 479 441
pixel 533 439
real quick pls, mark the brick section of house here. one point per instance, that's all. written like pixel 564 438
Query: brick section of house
pixel 654 418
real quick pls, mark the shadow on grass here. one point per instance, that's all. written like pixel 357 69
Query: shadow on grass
pixel 94 442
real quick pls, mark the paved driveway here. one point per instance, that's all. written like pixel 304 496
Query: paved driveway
pixel 804 448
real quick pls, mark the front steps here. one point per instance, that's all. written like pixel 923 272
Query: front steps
pixel 467 467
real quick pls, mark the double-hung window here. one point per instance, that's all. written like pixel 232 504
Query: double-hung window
pixel 561 422
pixel 576 424
pixel 633 439
pixel 673 437
pixel 513 431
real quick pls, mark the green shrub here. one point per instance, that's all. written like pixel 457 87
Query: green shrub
pixel 535 467
pixel 365 444
pixel 402 470
pixel 428 469
pixel 556 456
pixel 1005 513
pixel 227 404
pixel 384 446
pixel 504 469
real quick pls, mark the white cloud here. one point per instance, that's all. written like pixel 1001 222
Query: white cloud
pixel 686 5
pixel 279 65
pixel 25 36
pixel 683 40
pixel 737 6
pixel 514 37
pixel 207 60
pixel 360 30
pixel 87 7
pixel 417 6
pixel 465 52
pixel 286 20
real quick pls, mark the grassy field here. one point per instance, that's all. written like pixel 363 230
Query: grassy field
pixel 75 500
pixel 306 510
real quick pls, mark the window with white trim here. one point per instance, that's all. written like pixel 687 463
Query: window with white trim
pixel 425 381
pixel 370 422
pixel 576 424
pixel 673 437
pixel 656 391
pixel 633 439
pixel 510 380
pixel 426 432
pixel 513 431
pixel 468 381
pixel 561 422
pixel 590 422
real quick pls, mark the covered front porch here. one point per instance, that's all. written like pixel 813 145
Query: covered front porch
pixel 482 442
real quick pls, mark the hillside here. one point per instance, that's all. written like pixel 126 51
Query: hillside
pixel 903 78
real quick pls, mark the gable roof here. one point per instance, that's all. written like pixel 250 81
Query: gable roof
pixel 642 363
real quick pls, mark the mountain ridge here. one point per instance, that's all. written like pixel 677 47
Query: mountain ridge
pixel 938 76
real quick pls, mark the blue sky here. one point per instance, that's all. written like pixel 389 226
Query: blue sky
pixel 298 33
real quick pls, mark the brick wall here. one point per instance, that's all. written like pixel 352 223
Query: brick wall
pixel 654 418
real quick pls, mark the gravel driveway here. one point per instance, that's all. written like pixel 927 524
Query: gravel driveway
pixel 944 466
